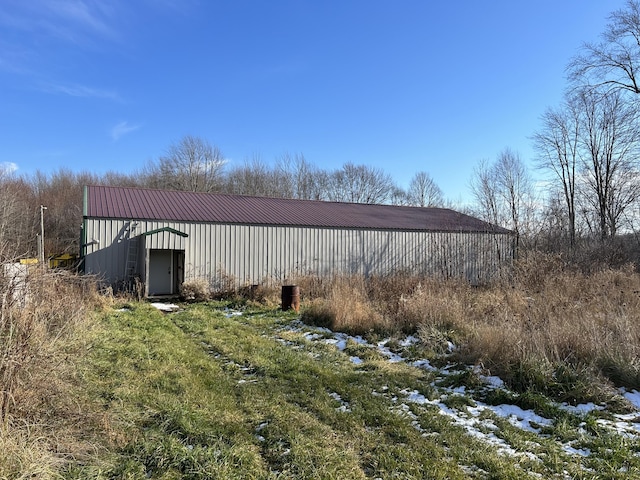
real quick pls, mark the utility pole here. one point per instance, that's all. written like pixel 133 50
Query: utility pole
pixel 42 255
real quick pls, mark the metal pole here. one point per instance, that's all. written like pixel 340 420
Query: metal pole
pixel 42 209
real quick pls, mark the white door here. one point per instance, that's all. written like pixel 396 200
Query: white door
pixel 160 272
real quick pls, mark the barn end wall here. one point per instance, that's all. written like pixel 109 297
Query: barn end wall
pixel 252 254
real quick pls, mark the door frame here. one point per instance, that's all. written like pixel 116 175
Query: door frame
pixel 175 263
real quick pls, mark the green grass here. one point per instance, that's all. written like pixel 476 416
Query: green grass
pixel 199 394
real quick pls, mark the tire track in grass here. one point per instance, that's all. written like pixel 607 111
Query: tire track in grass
pixel 492 425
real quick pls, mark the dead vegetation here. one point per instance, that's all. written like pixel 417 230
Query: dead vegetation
pixel 45 321
pixel 545 326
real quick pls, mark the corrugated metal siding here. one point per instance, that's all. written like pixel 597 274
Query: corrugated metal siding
pixel 255 253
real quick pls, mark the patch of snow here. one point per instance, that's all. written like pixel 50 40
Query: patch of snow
pixel 340 344
pixel 262 426
pixel 344 407
pixel 581 409
pixel 625 425
pixel 410 340
pixel 583 452
pixel 312 336
pixel 415 397
pixel 633 396
pixel 240 382
pixel 469 417
pixel 520 418
pixel 165 307
pixel 406 411
pixel 424 364
pixel 493 381
pixel 384 350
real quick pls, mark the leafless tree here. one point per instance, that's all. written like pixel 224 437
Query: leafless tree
pixel 612 64
pixel 558 148
pixel 609 140
pixel 399 197
pixel 484 189
pixel 516 189
pixel 255 177
pixel 300 178
pixel 61 192
pixel 503 191
pixel 17 236
pixel 360 184
pixel 424 192
pixel 192 164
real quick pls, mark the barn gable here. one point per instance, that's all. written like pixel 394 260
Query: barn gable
pixel 161 238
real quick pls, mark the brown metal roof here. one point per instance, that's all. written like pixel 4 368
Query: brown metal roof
pixel 179 206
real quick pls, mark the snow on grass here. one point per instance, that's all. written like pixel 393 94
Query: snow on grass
pixel 581 409
pixel 583 452
pixel 625 425
pixel 492 381
pixel 165 307
pixel 340 340
pixel 384 350
pixel 633 396
pixel 344 406
pixel 523 419
pixel 483 429
pixel 424 364
pixel 473 419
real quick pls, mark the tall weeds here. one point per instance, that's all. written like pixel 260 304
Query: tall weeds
pixel 44 316
pixel 343 305
pixel 545 326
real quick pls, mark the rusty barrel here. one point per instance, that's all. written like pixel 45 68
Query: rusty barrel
pixel 291 297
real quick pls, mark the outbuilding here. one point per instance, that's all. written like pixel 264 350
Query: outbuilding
pixel 158 239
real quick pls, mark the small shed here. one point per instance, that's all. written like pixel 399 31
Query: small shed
pixel 160 238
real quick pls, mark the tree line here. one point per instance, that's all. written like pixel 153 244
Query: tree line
pixel 191 164
pixel 587 150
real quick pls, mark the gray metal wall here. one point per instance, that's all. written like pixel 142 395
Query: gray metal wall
pixel 256 253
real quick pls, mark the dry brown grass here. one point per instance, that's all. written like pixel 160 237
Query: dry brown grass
pixel 545 325
pixel 345 307
pixel 45 323
pixel 195 290
pixel 553 319
pixel 266 294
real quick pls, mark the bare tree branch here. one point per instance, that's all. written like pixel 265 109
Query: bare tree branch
pixel 613 63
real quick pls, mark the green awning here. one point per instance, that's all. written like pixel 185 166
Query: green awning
pixel 166 229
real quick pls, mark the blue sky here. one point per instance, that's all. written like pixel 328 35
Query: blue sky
pixel 405 86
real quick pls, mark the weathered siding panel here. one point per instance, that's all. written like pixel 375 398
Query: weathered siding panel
pixel 255 253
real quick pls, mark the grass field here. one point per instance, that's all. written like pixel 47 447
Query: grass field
pixel 211 392
pixel 534 376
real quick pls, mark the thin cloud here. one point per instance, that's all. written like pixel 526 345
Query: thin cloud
pixel 92 17
pixel 121 129
pixel 82 91
pixel 71 20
